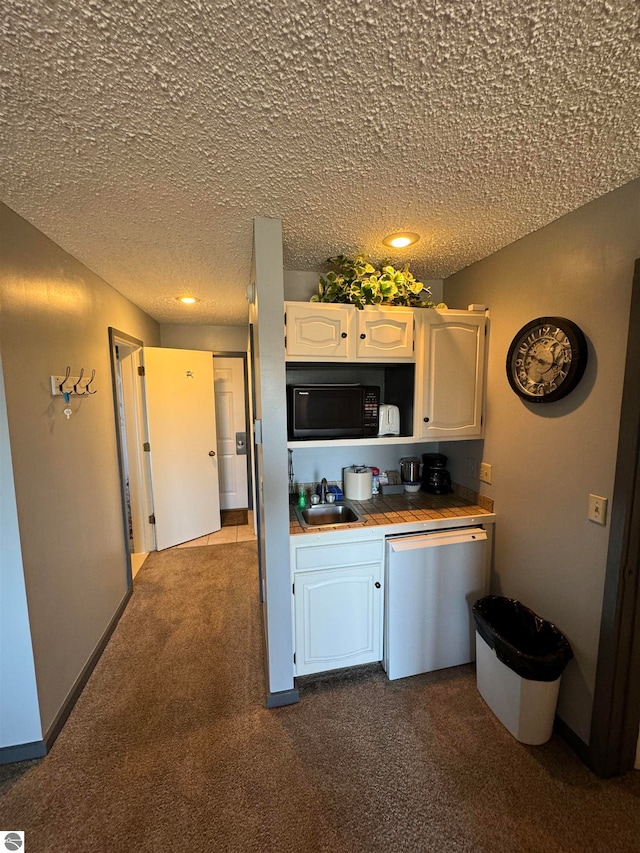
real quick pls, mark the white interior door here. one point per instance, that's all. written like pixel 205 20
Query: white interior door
pixel 231 426
pixel 182 436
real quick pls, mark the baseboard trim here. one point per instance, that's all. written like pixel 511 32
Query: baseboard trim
pixel 38 749
pixel 61 717
pixel 576 743
pixel 284 697
pixel 23 752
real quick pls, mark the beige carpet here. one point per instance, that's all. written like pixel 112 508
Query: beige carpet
pixel 170 747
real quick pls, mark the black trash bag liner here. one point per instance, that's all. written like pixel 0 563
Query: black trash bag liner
pixel 529 645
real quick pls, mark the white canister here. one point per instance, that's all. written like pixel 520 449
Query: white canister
pixel 357 483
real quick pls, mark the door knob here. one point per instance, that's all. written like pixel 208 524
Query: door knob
pixel 212 453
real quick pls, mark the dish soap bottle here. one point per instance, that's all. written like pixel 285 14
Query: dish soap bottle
pixel 302 498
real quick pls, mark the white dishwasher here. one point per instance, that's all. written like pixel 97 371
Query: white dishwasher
pixel 432 580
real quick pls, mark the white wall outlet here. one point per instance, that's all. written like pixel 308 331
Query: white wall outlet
pixel 485 472
pixel 598 509
pixel 472 468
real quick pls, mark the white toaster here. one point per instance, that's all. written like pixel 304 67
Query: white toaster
pixel 388 420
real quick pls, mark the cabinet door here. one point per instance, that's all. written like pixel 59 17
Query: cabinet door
pixel 384 335
pixel 317 331
pixel 338 618
pixel 452 374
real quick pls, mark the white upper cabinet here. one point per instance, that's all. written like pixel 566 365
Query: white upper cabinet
pixel 384 334
pixel 447 346
pixel 450 375
pixel 326 332
pixel 317 332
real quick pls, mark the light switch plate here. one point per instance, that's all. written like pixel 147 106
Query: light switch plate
pixel 485 472
pixel 598 509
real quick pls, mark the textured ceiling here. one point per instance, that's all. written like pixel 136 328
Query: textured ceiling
pixel 144 137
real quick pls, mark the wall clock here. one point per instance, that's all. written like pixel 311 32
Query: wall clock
pixel 546 359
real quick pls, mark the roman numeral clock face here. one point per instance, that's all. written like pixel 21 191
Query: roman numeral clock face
pixel 546 359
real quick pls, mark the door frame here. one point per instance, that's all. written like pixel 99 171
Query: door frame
pixel 245 378
pixel 616 706
pixel 118 338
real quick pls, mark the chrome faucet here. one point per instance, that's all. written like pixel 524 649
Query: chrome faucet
pixel 323 490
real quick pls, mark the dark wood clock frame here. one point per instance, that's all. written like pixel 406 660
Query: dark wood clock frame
pixel 577 365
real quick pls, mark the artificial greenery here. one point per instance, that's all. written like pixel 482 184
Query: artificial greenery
pixel 359 283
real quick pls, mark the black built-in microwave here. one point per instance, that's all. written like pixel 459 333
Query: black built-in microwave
pixel 332 411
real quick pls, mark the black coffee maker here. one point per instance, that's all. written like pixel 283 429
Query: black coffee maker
pixel 435 478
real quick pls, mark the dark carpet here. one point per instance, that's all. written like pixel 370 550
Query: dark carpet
pixel 234 517
pixel 170 747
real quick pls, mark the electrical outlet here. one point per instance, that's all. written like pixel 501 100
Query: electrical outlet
pixel 485 472
pixel 597 509
pixel 472 468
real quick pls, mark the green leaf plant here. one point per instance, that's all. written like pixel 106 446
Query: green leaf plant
pixel 357 282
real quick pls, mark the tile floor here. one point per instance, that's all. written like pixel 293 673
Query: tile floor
pixel 239 533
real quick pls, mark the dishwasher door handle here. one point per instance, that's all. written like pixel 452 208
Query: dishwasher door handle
pixel 437 538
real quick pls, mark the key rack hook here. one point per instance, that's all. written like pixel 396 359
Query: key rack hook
pixel 64 381
pixel 87 386
pixel 78 384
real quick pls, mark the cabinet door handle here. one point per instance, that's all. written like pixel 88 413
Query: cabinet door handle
pixel 377 584
pixel 426 420
pixel 212 453
pixel 343 335
pixel 362 336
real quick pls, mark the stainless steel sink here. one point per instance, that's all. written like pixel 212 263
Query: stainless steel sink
pixel 322 515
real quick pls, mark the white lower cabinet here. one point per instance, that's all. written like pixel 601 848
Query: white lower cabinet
pixel 338 605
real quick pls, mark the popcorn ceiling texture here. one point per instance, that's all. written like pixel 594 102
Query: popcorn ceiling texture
pixel 144 137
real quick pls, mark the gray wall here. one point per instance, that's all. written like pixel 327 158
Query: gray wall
pixel 311 464
pixel 209 338
pixel 547 458
pixel 55 313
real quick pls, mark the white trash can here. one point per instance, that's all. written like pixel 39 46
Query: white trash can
pixel 519 662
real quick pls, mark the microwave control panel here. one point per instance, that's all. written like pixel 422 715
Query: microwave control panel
pixel 371 399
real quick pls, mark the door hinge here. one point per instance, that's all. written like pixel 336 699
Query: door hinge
pixel 141 370
pixel 152 518
pixel 146 447
pixel 293 589
pixel 294 657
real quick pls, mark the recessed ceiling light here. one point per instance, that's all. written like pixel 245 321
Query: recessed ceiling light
pixel 187 300
pixel 401 240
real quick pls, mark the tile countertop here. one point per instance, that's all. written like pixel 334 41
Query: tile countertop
pixel 406 508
